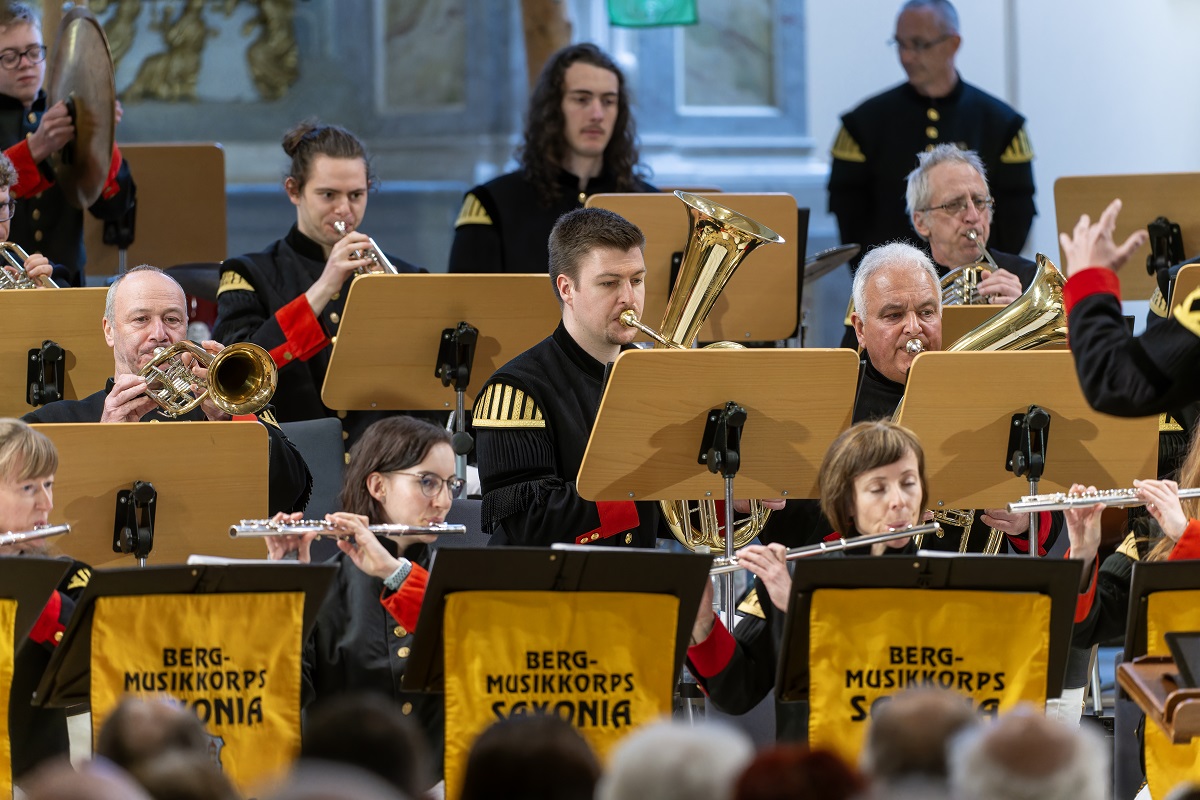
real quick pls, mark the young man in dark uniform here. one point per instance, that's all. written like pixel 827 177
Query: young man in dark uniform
pixel 579 141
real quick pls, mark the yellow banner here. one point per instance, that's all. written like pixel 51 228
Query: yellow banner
pixel 1169 764
pixel 233 659
pixel 868 644
pixel 601 660
pixel 8 650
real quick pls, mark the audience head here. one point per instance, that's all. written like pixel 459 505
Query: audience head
pixel 789 771
pixel 927 37
pixel 873 479
pixel 1023 756
pixel 22 52
pixel 180 775
pixel 579 108
pixel 401 472
pixel 328 180
pixel 144 730
pixel 947 198
pixel 28 461
pixel 325 781
pixel 535 757
pixel 908 735
pixel 145 309
pixel 370 732
pixel 671 761
pixel 897 297
pixel 96 780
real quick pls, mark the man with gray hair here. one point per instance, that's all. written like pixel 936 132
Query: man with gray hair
pixel 671 761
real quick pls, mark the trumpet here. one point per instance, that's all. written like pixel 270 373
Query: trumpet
pixel 1110 498
pixel 723 565
pixel 264 527
pixel 12 272
pixel 42 532
pixel 241 378
pixel 381 265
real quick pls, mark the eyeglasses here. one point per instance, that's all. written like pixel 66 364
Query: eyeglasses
pixel 957 207
pixel 11 59
pixel 917 45
pixel 431 485
pixel 7 210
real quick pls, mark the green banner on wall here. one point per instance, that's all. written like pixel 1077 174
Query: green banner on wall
pixel 649 13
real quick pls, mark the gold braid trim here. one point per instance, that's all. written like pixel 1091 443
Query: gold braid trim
pixel 846 149
pixel 503 406
pixel 1019 151
pixel 750 606
pixel 1187 313
pixel 472 213
pixel 1158 304
pixel 1129 547
pixel 80 579
pixel 232 281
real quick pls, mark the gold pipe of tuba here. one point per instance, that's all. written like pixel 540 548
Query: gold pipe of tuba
pixel 241 378
pixel 12 271
pixel 719 239
pixel 380 263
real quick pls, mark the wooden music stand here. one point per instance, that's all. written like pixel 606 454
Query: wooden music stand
pixel 961 406
pixel 648 433
pixel 69 317
pixel 207 476
pixel 180 208
pixel 761 301
pixel 386 350
pixel 1186 282
pixel 1144 198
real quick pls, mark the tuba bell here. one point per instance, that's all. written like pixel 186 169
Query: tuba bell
pixel 241 378
pixel 719 238
pixel 12 271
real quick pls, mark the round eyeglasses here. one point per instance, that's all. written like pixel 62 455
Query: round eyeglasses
pixel 431 484
pixel 917 45
pixel 34 54
pixel 956 207
pixel 7 210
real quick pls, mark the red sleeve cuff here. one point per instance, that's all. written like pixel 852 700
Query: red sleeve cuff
pixel 30 180
pixel 1090 281
pixel 616 516
pixel 713 654
pixel 111 187
pixel 305 336
pixel 48 628
pixel 405 604
pixel 1083 603
pixel 1044 523
pixel 1188 546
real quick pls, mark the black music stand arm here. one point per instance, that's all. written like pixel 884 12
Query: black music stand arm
pixel 1027 448
pixel 456 356
pixel 720 451
pixel 133 527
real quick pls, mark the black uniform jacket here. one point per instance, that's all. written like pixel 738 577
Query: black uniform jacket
pixel 261 300
pixel 504 224
pixel 290 483
pixel 356 646
pixel 877 147
pixel 45 222
pixel 532 422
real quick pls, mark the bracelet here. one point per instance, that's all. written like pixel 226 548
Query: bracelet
pixel 393 581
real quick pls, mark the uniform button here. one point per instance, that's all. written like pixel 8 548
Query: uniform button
pixel 933 115
pixel 288 356
pixel 403 652
pixel 406 709
pixel 399 631
pixel 58 636
pixel 629 538
pixel 341 415
pixel 336 295
pixel 333 317
pixel 333 340
pixel 347 458
pixel 346 435
pixel 931 132
pixel 595 536
pixel 37 214
pixel 37 236
pixel 32 117
pixel 582 198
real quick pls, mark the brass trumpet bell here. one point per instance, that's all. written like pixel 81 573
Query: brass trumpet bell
pixel 241 378
pixel 1038 317
pixel 12 271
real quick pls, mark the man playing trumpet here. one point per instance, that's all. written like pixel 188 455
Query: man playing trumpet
pixel 37 267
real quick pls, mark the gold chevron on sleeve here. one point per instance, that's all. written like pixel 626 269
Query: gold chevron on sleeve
pixel 1128 547
pixel 231 281
pixel 1187 313
pixel 846 149
pixel 1158 304
pixel 503 406
pixel 80 579
pixel 750 606
pixel 472 213
pixel 1019 151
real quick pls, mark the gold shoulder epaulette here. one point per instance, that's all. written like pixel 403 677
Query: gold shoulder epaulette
pixel 503 406
pixel 1158 304
pixel 268 418
pixel 232 281
pixel 1129 547
pixel 80 579
pixel 1019 150
pixel 845 148
pixel 472 213
pixel 1187 313
pixel 1167 424
pixel 750 605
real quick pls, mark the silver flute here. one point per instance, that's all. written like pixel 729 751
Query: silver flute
pixel 265 527
pixel 41 532
pixel 722 565
pixel 1061 501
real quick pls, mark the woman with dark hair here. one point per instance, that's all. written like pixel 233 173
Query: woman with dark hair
pixel 289 298
pixel 872 480
pixel 401 472
pixel 536 757
pixel 580 140
pixel 789 771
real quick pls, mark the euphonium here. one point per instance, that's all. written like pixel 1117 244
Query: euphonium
pixel 960 285
pixel 241 378
pixel 380 263
pixel 12 272
pixel 719 239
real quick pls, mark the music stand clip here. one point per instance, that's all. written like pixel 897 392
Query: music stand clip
pixel 133 523
pixel 44 378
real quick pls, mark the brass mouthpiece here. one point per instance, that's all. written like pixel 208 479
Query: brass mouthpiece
pixel 340 227
pixel 914 346
pixel 629 318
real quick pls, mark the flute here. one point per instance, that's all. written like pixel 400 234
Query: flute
pixel 265 527
pixel 41 532
pixel 1061 501
pixel 722 565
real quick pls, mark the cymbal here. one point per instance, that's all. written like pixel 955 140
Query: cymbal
pixel 199 279
pixel 827 260
pixel 81 72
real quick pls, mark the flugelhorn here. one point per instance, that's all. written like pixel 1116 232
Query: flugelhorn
pixel 380 263
pixel 12 272
pixel 722 565
pixel 1061 501
pixel 241 378
pixel 42 532
pixel 265 527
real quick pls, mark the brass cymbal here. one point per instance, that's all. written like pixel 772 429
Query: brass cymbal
pixel 827 260
pixel 81 72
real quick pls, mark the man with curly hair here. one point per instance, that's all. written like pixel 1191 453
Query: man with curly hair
pixel 579 140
